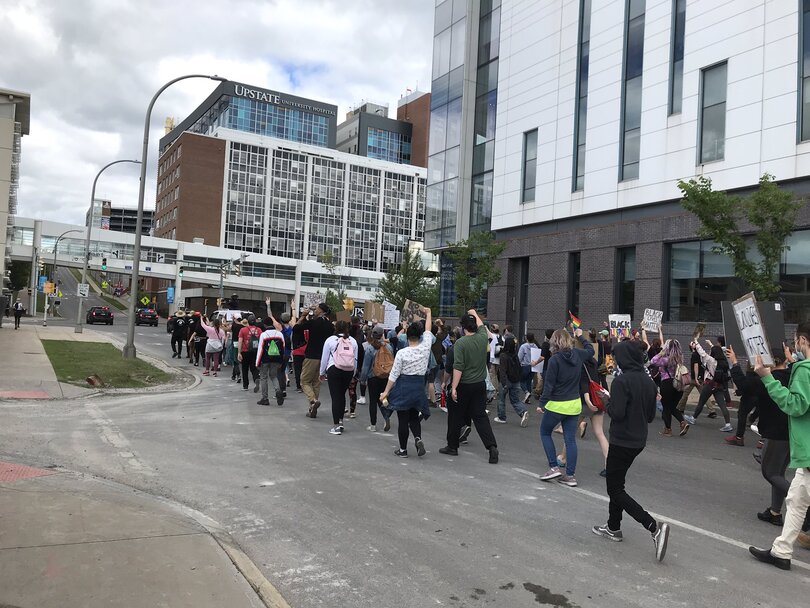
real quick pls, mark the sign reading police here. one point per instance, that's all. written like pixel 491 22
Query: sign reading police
pixel 746 312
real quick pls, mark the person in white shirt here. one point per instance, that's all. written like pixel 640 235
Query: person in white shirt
pixel 19 309
pixel 405 391
pixel 269 359
pixel 338 367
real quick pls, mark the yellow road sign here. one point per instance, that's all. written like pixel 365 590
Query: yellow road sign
pixel 145 300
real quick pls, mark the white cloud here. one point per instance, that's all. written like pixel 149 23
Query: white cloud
pixel 91 67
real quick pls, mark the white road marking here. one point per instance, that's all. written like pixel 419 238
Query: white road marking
pixel 112 435
pixel 680 524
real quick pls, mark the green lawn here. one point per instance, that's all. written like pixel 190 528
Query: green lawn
pixel 75 361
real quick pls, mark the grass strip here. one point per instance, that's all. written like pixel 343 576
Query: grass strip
pixel 74 361
pixel 113 302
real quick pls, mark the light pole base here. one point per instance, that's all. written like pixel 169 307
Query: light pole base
pixel 129 351
pixel 78 329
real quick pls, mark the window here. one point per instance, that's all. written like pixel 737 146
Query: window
pixel 574 260
pixel 804 71
pixel 626 276
pixel 713 113
pixel 676 63
pixel 581 111
pixel 631 93
pixel 529 165
pixel 699 280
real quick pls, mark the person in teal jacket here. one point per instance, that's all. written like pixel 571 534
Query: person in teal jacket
pixel 795 402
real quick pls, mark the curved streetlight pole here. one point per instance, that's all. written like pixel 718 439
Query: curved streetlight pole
pixel 129 347
pixel 53 274
pixel 79 327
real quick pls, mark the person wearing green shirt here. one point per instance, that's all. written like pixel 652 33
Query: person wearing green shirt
pixel 468 393
pixel 795 402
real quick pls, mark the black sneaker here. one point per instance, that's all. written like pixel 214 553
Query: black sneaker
pixel 420 447
pixel 712 415
pixel 765 555
pixel 279 397
pixel 263 402
pixel 465 432
pixel 660 539
pixel 769 517
pixel 401 453
pixel 448 450
pixel 256 388
pixel 493 455
pixel 387 425
pixel 614 535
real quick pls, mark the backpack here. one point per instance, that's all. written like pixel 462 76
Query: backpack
pixel 253 340
pixel 343 355
pixel 274 350
pixel 383 362
pixel 681 379
pixel 498 346
pixel 721 376
pixel 512 369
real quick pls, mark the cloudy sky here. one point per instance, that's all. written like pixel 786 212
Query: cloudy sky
pixel 91 67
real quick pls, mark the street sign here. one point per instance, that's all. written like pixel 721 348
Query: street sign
pixel 145 300
pixel 84 290
pixel 41 283
pixel 170 295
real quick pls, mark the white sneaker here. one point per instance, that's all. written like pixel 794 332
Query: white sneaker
pixel 499 420
pixel 755 428
pixel 727 428
pixel 689 419
pixel 371 428
pixel 336 430
pixel 524 420
pixel 361 400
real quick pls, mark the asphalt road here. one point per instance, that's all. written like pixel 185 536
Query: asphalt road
pixel 340 521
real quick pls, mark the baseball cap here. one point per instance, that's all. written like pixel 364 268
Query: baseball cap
pixel 324 307
pixel 378 331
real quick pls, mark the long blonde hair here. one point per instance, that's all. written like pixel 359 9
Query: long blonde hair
pixel 561 341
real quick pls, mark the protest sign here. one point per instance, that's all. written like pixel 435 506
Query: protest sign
pixel 741 323
pixel 619 325
pixel 652 319
pixel 312 299
pixel 391 319
pixel 344 315
pixel 535 354
pixel 374 310
pixel 413 312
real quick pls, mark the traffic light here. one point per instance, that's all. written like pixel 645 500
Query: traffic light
pixel 237 267
pixel 104 263
pixel 180 272
pixel 41 264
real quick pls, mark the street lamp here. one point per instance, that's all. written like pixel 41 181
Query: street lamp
pixel 79 327
pixel 129 347
pixel 53 274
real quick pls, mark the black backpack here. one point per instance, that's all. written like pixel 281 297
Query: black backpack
pixel 273 351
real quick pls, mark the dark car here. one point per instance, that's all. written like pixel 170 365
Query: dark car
pixel 99 314
pixel 146 316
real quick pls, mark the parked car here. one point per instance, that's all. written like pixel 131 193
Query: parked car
pixel 100 314
pixel 146 316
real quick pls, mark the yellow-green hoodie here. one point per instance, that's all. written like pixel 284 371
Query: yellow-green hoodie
pixel 795 402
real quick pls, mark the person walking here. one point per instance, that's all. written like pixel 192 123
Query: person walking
pixel 248 346
pixel 631 410
pixel 269 359
pixel 319 328
pixel 299 347
pixel 214 343
pixel 19 309
pixel 468 388
pixel 405 390
pixel 338 367
pixel 714 383
pixel 669 363
pixel 793 400
pixel 560 402
pixel 286 329
pixel 179 331
pixel 695 377
pixel 525 360
pixel 236 327
pixel 198 340
pixel 375 373
pixel 509 374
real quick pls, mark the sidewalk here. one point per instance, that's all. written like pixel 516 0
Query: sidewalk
pixel 69 540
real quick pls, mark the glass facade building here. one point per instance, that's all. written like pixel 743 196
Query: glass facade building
pixel 388 146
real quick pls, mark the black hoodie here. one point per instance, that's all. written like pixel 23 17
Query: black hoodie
pixel 563 373
pixel 632 398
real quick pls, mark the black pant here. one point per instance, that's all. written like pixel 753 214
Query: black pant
pixel 775 459
pixel 375 388
pixel 472 405
pixel 177 345
pixel 746 405
pixel 710 390
pixel 669 399
pixel 338 381
pixel 199 349
pixel 408 420
pixel 619 460
pixel 249 365
pixel 298 363
pixel 17 316
pixel 282 374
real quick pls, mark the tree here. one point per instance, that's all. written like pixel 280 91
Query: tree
pixel 474 268
pixel 410 281
pixel 334 297
pixel 20 275
pixel 771 210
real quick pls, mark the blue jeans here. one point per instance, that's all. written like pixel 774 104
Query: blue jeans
pixel 526 378
pixel 569 426
pixel 512 389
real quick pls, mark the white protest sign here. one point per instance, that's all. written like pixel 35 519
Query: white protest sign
pixel 312 299
pixel 746 312
pixel 652 319
pixel 535 355
pixel 620 325
pixel 392 317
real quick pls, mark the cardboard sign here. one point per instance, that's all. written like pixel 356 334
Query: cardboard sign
pixel 652 319
pixel 620 325
pixel 391 319
pixel 752 329
pixel 413 312
pixel 344 315
pixel 374 310
pixel 771 315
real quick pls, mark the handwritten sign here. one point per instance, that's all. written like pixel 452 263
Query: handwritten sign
pixel 413 312
pixel 391 319
pixel 312 299
pixel 374 310
pixel 619 325
pixel 752 330
pixel 652 319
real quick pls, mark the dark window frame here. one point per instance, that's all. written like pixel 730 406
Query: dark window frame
pixel 673 70
pixel 526 160
pixel 702 109
pixel 574 281
pixel 619 305
pixel 581 99
pixel 625 55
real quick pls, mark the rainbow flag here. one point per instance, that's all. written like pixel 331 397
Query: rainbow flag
pixel 575 321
